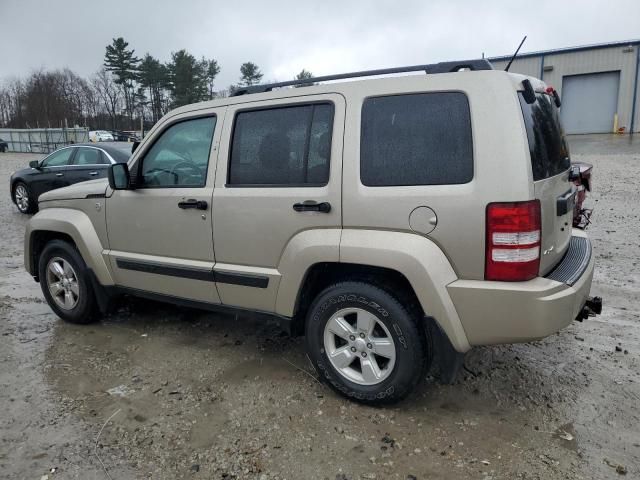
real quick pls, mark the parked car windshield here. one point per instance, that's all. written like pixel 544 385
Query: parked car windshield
pixel 547 145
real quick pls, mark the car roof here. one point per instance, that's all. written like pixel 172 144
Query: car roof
pixel 393 84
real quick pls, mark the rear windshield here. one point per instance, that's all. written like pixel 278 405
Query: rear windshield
pixel 120 154
pixel 549 151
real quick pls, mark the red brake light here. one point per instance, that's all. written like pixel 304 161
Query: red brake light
pixel 513 241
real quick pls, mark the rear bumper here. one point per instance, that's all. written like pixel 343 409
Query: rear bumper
pixel 504 312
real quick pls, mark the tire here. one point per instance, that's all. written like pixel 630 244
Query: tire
pixel 23 198
pixel 81 307
pixel 396 345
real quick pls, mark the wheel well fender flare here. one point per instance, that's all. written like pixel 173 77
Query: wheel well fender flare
pixel 66 224
pixel 421 261
pixel 304 250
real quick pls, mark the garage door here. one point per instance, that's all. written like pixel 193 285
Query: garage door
pixel 589 102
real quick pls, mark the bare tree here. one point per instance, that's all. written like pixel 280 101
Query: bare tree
pixel 109 93
pixel 11 100
pixel 6 113
pixel 48 99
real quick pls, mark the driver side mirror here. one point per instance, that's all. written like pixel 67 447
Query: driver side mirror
pixel 34 164
pixel 134 146
pixel 119 178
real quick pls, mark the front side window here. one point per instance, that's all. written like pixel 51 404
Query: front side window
pixel 282 146
pixel 88 156
pixel 59 158
pixel 180 157
pixel 416 139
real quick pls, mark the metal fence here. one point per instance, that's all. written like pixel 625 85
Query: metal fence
pixel 42 140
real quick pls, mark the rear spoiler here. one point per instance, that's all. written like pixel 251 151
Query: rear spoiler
pixel 529 93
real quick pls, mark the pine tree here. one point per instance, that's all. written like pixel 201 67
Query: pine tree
pixel 122 62
pixel 304 75
pixel 153 77
pixel 188 78
pixel 213 69
pixel 250 74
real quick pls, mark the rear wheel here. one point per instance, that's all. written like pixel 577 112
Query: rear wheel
pixel 365 344
pixel 65 283
pixel 22 198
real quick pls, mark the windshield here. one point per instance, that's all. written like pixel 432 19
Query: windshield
pixel 549 151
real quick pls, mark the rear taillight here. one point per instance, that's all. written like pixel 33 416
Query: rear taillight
pixel 513 241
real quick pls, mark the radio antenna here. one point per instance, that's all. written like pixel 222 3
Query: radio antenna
pixel 515 54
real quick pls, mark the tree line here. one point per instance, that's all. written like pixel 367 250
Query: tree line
pixel 124 90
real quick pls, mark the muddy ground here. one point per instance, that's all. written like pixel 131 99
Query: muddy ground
pixel 199 395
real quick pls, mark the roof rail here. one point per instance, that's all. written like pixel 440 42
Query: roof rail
pixel 442 67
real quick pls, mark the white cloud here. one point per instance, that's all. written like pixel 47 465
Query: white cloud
pixel 324 37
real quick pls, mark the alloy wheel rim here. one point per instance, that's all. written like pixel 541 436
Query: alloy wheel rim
pixel 359 346
pixel 63 283
pixel 22 198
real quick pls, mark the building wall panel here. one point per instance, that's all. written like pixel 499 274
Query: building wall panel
pixel 621 58
pixel 525 66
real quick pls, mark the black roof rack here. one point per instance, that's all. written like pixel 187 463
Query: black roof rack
pixel 442 67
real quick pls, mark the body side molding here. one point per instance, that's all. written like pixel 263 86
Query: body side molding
pixel 206 275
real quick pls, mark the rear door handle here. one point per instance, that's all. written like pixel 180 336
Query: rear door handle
pixel 193 203
pixel 93 174
pixel 59 174
pixel 566 202
pixel 312 206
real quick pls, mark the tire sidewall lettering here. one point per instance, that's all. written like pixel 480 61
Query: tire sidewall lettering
pixel 335 301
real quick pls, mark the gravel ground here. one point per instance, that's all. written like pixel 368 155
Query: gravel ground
pixel 156 391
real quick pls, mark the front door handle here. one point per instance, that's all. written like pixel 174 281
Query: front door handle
pixel 312 206
pixel 193 203
pixel 93 174
pixel 59 174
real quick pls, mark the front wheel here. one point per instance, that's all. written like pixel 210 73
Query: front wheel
pixel 22 198
pixel 65 283
pixel 365 344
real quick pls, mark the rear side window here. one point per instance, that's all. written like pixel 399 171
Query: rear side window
pixel 417 139
pixel 88 156
pixel 549 151
pixel 282 146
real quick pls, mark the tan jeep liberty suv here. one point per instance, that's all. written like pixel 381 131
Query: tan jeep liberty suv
pixel 391 220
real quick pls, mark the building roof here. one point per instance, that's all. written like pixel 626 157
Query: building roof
pixel 595 46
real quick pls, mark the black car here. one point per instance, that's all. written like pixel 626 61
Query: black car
pixel 4 146
pixel 120 136
pixel 65 166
